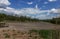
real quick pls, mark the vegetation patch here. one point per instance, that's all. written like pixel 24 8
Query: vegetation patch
pixel 6 35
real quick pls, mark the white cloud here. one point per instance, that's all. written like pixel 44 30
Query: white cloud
pixel 55 10
pixel 9 10
pixel 36 6
pixel 29 3
pixel 30 11
pixel 58 10
pixel 27 11
pixel 52 0
pixel 24 11
pixel 4 3
pixel 43 16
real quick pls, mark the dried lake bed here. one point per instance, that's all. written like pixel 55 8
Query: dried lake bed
pixel 30 30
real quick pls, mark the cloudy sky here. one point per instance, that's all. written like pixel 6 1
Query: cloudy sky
pixel 41 9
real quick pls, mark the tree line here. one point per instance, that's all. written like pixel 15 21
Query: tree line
pixel 4 17
pixel 16 18
pixel 54 20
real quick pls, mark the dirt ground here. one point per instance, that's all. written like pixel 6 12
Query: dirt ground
pixel 19 30
pixel 32 25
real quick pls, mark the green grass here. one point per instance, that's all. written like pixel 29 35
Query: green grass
pixel 46 34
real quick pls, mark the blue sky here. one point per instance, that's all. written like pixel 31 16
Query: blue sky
pixel 41 9
pixel 41 4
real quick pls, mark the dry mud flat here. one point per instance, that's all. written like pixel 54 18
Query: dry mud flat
pixel 20 30
pixel 17 34
pixel 33 25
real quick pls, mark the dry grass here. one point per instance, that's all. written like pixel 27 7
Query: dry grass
pixel 17 34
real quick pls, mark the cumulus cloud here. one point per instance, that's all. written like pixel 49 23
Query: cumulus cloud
pixel 30 12
pixel 58 10
pixel 24 11
pixel 52 0
pixel 29 3
pixel 53 10
pixel 4 3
